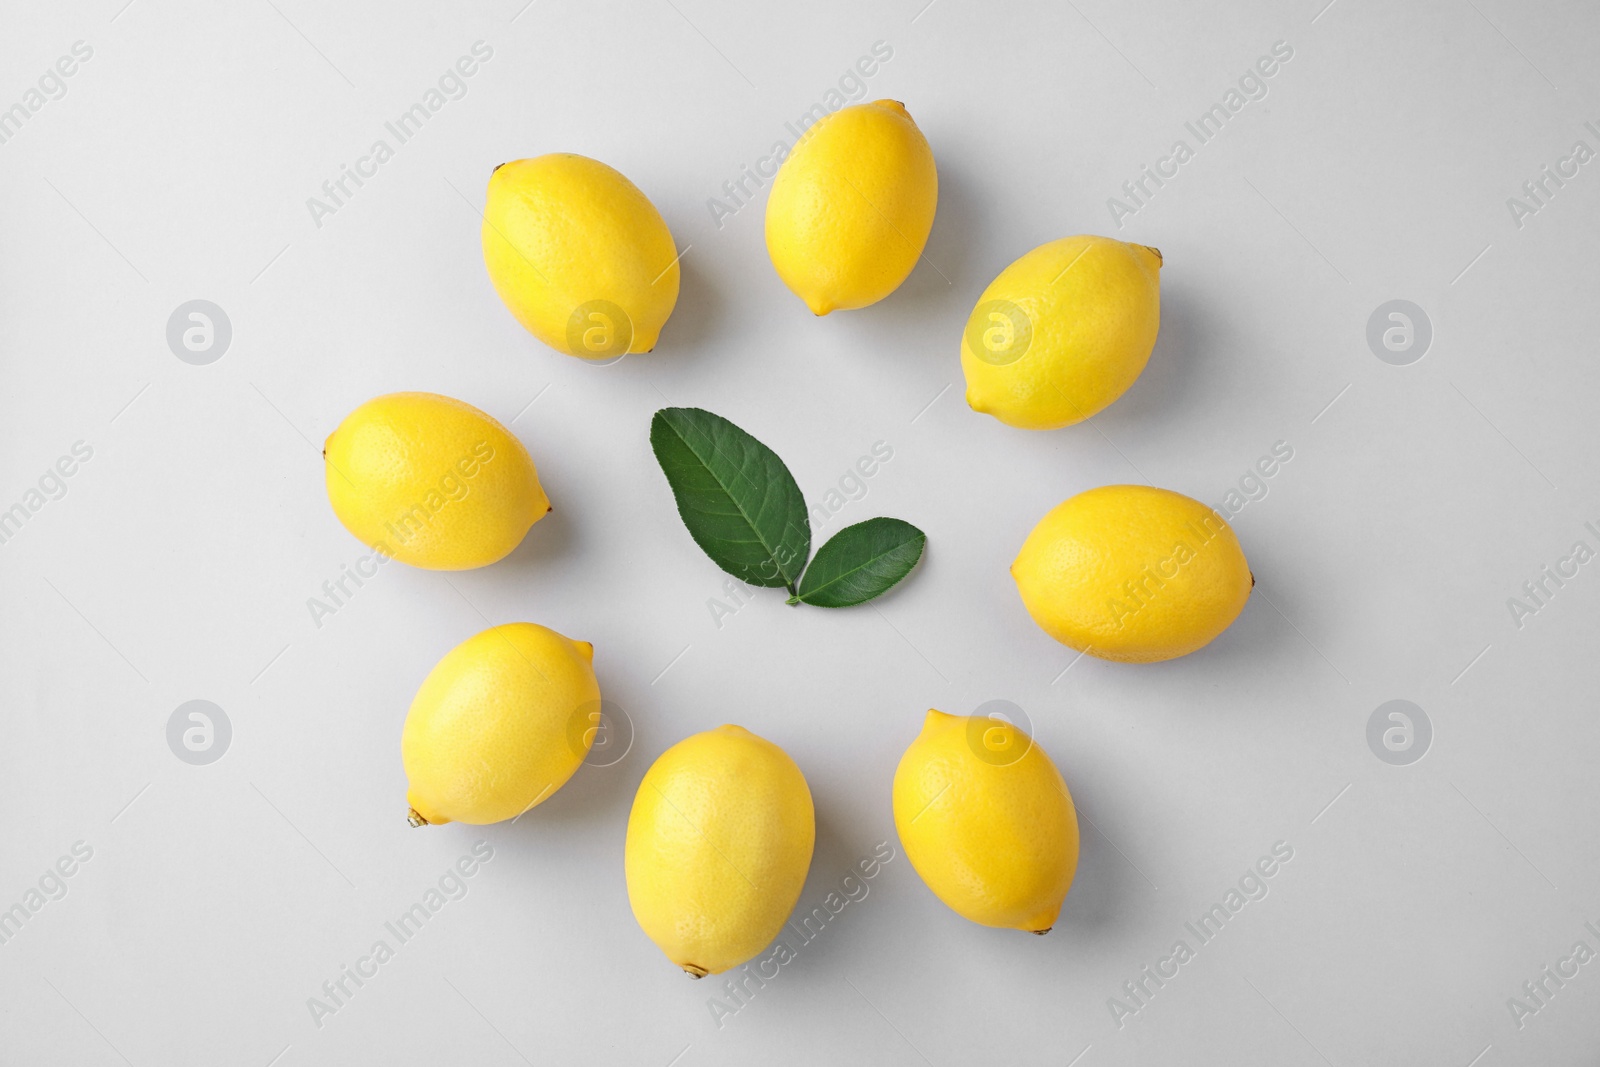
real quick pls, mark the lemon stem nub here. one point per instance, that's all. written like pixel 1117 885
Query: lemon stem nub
pixel 415 818
pixel 695 971
pixel 1041 933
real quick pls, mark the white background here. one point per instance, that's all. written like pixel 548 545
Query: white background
pixel 179 563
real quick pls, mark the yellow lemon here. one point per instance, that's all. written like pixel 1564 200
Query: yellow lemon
pixel 719 843
pixel 987 821
pixel 1062 332
pixel 431 481
pixel 1133 573
pixel 499 725
pixel 851 207
pixel 581 257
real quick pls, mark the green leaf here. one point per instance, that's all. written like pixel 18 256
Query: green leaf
pixel 738 500
pixel 861 562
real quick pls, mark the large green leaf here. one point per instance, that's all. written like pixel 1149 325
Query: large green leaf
pixel 861 562
pixel 738 500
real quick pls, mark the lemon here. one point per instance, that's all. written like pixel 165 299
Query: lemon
pixel 431 481
pixel 719 843
pixel 499 725
pixel 851 207
pixel 1062 332
pixel 581 257
pixel 987 821
pixel 1133 573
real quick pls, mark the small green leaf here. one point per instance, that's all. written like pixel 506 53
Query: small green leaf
pixel 861 562
pixel 738 500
